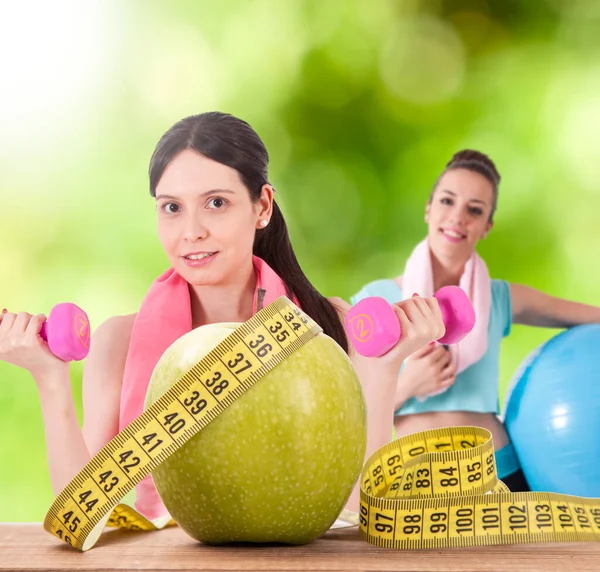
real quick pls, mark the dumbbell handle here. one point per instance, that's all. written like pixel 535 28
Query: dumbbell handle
pixel 374 329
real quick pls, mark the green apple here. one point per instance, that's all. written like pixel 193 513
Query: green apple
pixel 279 464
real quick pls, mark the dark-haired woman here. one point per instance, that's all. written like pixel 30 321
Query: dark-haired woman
pixel 229 253
pixel 441 386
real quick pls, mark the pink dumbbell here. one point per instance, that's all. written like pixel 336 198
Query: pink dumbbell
pixel 374 329
pixel 67 332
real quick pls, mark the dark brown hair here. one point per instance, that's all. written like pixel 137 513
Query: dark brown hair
pixel 232 142
pixel 478 163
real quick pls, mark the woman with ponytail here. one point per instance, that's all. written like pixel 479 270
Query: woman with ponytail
pixel 442 386
pixel 230 254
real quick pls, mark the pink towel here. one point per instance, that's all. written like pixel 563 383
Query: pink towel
pixel 164 316
pixel 475 281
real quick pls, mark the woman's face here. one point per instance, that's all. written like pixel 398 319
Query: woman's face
pixel 206 219
pixel 458 214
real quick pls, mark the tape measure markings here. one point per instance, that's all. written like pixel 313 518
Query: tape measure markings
pixel 396 511
pixel 168 450
pixel 385 464
pixel 458 515
pixel 221 377
pixel 432 489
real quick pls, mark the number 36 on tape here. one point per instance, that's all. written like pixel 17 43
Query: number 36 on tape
pixel 92 499
pixel 428 490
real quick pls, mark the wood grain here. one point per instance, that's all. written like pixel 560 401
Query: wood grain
pixel 28 547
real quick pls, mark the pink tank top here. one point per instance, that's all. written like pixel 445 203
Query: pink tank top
pixel 164 316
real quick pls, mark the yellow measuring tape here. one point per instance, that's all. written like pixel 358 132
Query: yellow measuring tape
pixel 439 488
pixel 429 490
pixel 91 500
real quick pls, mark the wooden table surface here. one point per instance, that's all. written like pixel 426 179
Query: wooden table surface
pixel 26 546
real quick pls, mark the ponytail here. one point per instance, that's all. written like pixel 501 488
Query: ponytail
pixel 273 245
pixel 232 142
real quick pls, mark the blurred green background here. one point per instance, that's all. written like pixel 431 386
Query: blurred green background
pixel 360 104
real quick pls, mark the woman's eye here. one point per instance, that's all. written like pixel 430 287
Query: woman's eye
pixel 476 211
pixel 217 203
pixel 170 208
pixel 446 201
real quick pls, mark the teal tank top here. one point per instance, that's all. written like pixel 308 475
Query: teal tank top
pixel 476 387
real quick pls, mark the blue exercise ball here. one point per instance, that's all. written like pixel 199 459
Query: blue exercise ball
pixel 552 413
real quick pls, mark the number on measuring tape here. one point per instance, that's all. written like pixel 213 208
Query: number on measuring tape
pixel 91 499
pixel 433 489
pixel 440 489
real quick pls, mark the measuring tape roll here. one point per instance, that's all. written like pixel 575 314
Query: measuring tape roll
pixel 439 489
pixel 91 500
pixel 433 489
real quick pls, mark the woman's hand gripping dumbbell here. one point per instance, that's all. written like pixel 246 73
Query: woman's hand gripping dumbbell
pixel 66 331
pixel 373 328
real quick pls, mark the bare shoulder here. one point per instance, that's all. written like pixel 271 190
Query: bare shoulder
pixel 340 305
pixel 116 329
pixel 109 348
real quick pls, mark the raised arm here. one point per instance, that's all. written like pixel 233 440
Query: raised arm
pixel 535 308
pixel 421 322
pixel 68 448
